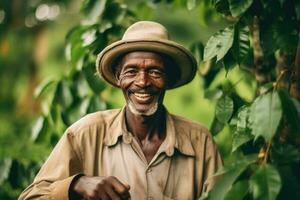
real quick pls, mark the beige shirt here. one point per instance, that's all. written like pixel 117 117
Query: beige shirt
pixel 100 145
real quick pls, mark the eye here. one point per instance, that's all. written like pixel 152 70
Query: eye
pixel 156 73
pixel 130 72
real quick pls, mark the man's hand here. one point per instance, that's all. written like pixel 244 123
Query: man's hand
pixel 104 188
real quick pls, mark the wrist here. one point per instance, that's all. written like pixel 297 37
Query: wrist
pixel 73 194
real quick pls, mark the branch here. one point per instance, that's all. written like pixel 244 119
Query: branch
pixel 295 86
pixel 261 71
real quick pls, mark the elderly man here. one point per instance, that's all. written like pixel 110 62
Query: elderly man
pixel 140 151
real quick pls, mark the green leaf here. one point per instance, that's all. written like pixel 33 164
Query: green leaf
pixel 222 6
pixel 242 133
pixel 240 138
pixel 63 95
pixel 37 127
pixel 213 94
pixel 40 130
pixel 265 183
pixel 96 104
pixel 88 37
pixel 266 88
pixel 266 112
pixel 93 79
pixel 238 191
pixel 224 109
pixel 238 7
pixel 93 9
pixel 216 126
pixel 191 4
pixel 219 44
pixel 290 111
pixel 197 50
pixel 82 86
pixel 241 45
pixel 43 87
pixel 229 61
pixel 229 176
pixel 78 111
pixel 5 165
pixel 285 154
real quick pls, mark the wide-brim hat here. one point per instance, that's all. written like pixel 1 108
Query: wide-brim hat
pixel 147 36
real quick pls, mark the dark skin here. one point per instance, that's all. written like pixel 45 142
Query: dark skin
pixel 143 82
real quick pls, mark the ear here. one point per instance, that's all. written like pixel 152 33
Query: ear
pixel 117 77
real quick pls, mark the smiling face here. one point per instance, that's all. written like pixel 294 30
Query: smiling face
pixel 143 81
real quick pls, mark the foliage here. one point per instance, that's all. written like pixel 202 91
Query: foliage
pixel 263 158
pixel 258 42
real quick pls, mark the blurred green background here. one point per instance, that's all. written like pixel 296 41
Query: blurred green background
pixel 32 51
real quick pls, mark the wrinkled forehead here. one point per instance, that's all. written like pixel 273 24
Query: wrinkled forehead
pixel 142 57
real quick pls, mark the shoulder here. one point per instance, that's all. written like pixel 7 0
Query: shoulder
pixel 96 121
pixel 193 132
pixel 189 126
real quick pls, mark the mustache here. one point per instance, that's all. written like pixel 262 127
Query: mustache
pixel 149 90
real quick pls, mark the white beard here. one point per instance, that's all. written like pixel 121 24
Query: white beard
pixel 149 112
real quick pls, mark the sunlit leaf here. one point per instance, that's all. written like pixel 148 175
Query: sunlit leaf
pixel 219 44
pixel 224 109
pixel 88 37
pixel 191 4
pixel 266 113
pixel 37 127
pixel 266 88
pixel 238 191
pixel 238 7
pixel 265 183
pixel 43 87
pixel 229 176
pixel 40 130
pixel 213 94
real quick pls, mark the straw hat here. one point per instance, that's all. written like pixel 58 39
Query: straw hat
pixel 147 36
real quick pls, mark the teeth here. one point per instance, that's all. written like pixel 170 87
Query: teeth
pixel 142 95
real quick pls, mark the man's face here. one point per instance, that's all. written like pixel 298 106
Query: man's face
pixel 143 81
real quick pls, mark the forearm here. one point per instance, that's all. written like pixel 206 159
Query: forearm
pixel 45 189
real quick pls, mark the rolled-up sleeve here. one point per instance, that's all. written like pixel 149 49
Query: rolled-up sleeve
pixel 56 175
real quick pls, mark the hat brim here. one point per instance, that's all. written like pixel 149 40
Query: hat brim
pixel 180 56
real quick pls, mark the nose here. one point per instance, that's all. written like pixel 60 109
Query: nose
pixel 142 79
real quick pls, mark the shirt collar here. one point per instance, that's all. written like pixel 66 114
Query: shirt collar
pixel 175 138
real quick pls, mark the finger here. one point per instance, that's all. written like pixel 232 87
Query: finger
pixel 119 187
pixel 126 195
pixel 112 194
pixel 103 196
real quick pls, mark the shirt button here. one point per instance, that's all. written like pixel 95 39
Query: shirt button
pixel 149 170
pixel 150 198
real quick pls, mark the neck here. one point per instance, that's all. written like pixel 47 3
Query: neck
pixel 144 127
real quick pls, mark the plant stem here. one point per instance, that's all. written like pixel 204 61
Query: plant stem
pixel 267 152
